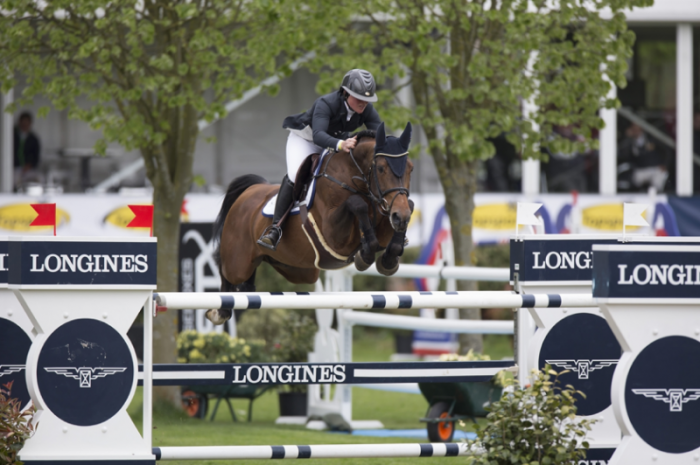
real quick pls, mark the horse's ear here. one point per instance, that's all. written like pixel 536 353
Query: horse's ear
pixel 380 139
pixel 405 138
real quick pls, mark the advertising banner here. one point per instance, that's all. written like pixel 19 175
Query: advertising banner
pixel 199 273
pixel 494 214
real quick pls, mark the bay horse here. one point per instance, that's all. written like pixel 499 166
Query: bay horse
pixel 361 207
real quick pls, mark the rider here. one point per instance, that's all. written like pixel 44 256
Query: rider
pixel 326 125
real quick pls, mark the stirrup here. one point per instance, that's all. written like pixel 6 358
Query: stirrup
pixel 267 231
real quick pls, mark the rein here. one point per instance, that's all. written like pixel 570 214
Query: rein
pixel 379 201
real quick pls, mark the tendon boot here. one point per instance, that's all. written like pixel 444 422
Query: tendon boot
pixel 273 233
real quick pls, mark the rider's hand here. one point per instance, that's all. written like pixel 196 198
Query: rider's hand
pixel 348 144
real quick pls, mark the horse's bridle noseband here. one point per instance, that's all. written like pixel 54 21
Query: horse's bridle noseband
pixel 378 200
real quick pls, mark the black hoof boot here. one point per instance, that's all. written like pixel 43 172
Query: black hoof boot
pixel 387 265
pixel 360 263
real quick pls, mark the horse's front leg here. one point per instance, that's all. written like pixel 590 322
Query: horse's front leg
pixel 388 263
pixel 370 245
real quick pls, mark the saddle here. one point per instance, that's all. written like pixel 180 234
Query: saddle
pixel 305 175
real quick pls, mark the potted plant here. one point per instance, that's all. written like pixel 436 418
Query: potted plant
pixel 295 342
pixel 15 425
pixel 534 425
pixel 289 337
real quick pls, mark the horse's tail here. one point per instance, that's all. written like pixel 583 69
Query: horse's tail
pixel 235 189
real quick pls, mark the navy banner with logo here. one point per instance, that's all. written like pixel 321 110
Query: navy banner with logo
pixel 82 263
pixel 85 372
pixel 585 347
pixel 14 346
pixel 662 394
pixel 649 273
pixel 226 374
pixel 553 260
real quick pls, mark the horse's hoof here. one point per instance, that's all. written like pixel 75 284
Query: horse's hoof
pixel 218 316
pixel 360 264
pixel 387 270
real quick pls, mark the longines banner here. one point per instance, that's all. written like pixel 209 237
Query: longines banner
pixel 494 216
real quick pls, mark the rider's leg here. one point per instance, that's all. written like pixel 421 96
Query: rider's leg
pixel 297 151
pixel 272 235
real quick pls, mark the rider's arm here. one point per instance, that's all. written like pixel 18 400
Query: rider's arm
pixel 320 121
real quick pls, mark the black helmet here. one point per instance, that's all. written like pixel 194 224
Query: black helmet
pixel 360 84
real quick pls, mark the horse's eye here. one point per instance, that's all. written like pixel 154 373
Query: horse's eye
pixel 381 169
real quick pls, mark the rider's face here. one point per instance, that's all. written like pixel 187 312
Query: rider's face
pixel 356 105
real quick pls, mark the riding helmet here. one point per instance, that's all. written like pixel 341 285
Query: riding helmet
pixel 360 84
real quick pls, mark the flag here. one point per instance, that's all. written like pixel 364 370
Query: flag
pixel 632 215
pixel 143 217
pixel 526 214
pixel 46 215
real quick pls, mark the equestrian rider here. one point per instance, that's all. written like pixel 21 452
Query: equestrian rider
pixel 326 125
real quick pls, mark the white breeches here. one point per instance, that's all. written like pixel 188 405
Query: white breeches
pixel 298 149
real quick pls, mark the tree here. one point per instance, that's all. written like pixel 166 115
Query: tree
pixel 471 66
pixel 150 70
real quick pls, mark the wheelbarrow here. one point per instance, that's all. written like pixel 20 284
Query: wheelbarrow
pixel 450 402
pixel 195 399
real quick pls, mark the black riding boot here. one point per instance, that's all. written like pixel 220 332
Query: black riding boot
pixel 272 235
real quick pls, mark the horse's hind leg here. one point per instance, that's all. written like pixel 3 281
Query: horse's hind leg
pixel 219 316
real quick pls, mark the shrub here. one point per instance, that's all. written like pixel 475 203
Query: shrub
pixel 15 426
pixel 534 425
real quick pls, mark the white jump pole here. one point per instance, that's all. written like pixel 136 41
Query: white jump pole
pixel 368 300
pixel 324 451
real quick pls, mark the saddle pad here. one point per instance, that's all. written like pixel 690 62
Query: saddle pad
pixel 269 209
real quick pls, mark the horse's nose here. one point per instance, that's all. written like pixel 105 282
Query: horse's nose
pixel 398 222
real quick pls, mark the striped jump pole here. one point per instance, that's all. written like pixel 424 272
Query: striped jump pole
pixel 367 300
pixel 324 451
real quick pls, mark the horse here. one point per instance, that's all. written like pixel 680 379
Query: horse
pixel 361 207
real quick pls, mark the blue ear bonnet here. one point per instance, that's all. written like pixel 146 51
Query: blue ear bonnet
pixel 394 149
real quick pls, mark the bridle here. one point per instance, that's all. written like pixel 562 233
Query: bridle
pixel 378 200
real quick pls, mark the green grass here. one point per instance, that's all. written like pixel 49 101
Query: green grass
pixel 395 410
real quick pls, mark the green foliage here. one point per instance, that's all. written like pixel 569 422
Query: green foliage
pixel 15 425
pixel 288 334
pixel 472 64
pixel 534 425
pixel 136 62
pixel 193 347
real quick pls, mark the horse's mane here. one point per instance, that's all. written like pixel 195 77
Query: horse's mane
pixel 365 134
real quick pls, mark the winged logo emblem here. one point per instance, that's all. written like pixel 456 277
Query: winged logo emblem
pixel 9 369
pixel 674 397
pixel 583 367
pixel 85 374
